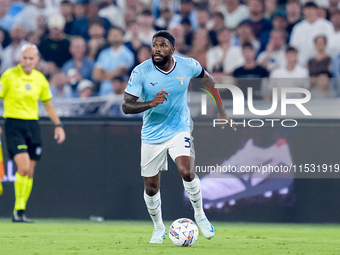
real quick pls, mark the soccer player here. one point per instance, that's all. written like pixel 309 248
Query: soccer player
pixel 21 87
pixel 162 83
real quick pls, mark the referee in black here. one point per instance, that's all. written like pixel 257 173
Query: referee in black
pixel 22 87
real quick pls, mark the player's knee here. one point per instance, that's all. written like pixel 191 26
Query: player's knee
pixel 24 170
pixel 186 173
pixel 151 191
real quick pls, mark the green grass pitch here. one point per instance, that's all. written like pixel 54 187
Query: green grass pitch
pixel 67 236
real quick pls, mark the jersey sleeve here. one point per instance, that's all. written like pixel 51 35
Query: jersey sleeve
pixel 135 84
pixel 45 94
pixel 197 68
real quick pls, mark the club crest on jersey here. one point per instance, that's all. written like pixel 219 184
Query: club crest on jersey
pixel 181 80
pixel 28 87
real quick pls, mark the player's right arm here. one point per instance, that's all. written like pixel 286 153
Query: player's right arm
pixel 131 106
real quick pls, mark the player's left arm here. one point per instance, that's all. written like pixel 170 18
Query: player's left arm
pixel 59 133
pixel 209 82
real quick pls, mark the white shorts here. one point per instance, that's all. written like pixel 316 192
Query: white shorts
pixel 154 156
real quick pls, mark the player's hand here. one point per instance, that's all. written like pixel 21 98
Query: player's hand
pixel 159 98
pixel 230 121
pixel 59 135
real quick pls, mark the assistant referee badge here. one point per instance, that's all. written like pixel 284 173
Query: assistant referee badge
pixel 28 87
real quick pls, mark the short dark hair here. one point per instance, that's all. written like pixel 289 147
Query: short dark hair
pixel 291 49
pixel 186 21
pixel 218 15
pixel 320 36
pixel 247 45
pixel 166 35
pixel 310 4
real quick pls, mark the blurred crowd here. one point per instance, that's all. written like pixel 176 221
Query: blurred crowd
pixel 89 47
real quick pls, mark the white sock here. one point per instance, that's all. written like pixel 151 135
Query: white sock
pixel 193 189
pixel 153 203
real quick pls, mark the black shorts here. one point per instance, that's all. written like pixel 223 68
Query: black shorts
pixel 23 136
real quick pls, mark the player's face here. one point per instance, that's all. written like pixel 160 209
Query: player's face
pixel 29 59
pixel 162 51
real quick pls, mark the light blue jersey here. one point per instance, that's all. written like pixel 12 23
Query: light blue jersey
pixel 164 121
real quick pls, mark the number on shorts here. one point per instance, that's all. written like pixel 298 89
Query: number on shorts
pixel 187 140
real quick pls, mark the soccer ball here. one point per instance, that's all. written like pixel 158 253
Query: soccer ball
pixel 183 232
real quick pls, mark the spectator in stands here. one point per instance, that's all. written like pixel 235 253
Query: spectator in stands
pixel 279 23
pixel 224 58
pixel 132 39
pixel 81 25
pixel 322 62
pixel 41 26
pixel 7 39
pixel 113 61
pixel 118 86
pixel 290 75
pixel 217 25
pixel 78 67
pixel 162 23
pixel 245 34
pixel 34 38
pixel 323 13
pixel 270 7
pixel 250 75
pixel 112 12
pixel 234 13
pixel 304 32
pixel 333 6
pixel 66 11
pixel 334 45
pixel 55 48
pixel 293 12
pixel 188 32
pixel 85 89
pixel 322 88
pixel 256 19
pixel 97 40
pixel 79 10
pixel 181 49
pixel 200 45
pixel 203 16
pixel 59 85
pixel 11 54
pixel 186 11
pixel 146 27
pixel 274 55
pixel 130 16
pixel 143 53
pixel 6 21
pixel 28 16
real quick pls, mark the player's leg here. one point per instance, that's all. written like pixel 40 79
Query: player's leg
pixel 23 162
pixel 182 152
pixel 153 160
pixel 29 180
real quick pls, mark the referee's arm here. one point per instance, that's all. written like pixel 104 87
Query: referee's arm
pixel 59 133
